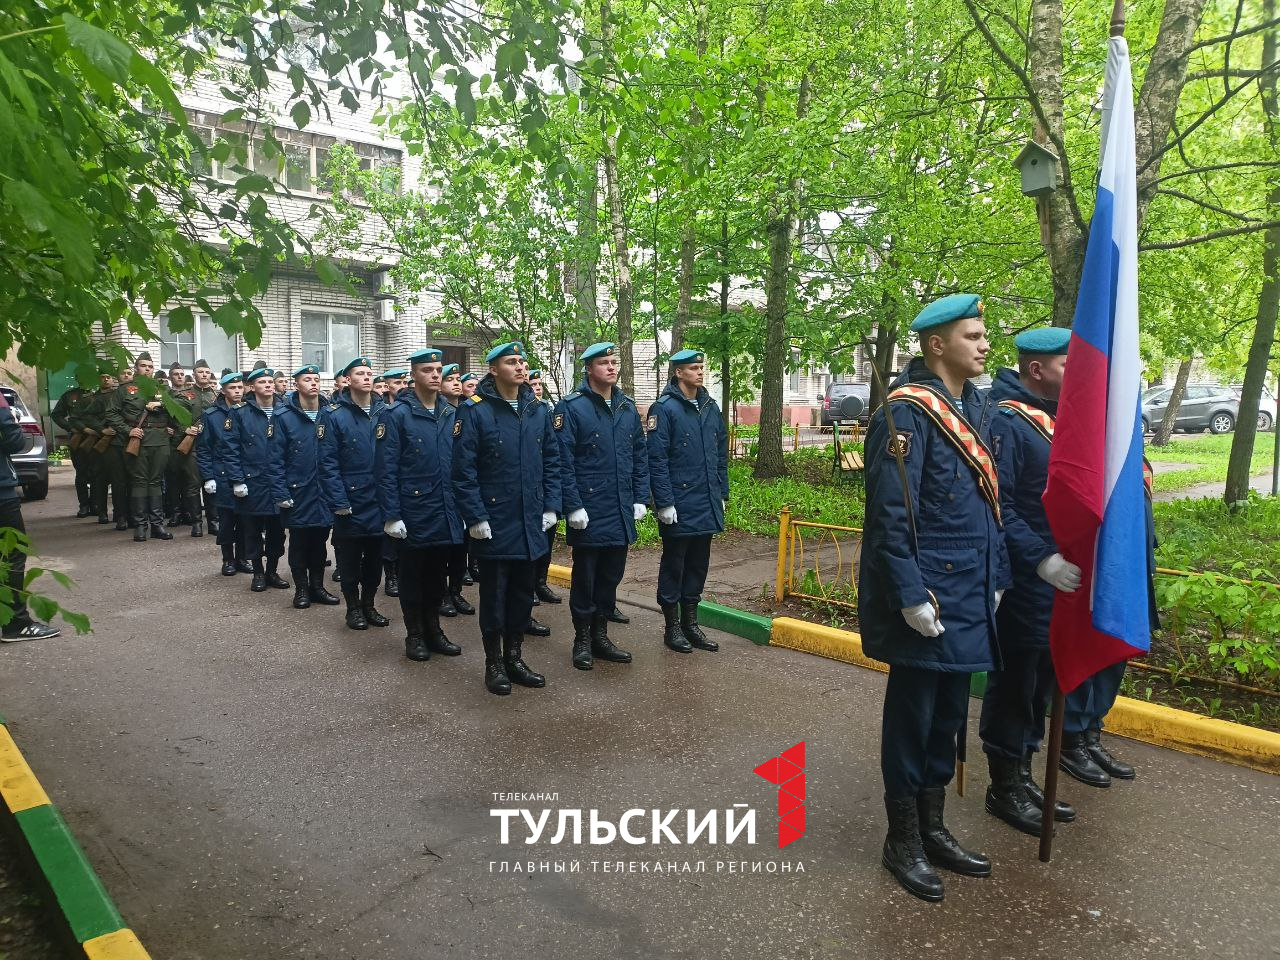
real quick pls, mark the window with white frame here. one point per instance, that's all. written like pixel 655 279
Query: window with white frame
pixel 329 339
pixel 206 341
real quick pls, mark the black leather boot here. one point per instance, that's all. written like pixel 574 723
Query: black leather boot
pixel 391 578
pixel 473 573
pixel 940 846
pixel 581 657
pixel 673 636
pixel 103 518
pixel 259 584
pixel 228 560
pixel 534 628
pixel 243 565
pixel 371 614
pixel 461 604
pixel 415 640
pixel 618 616
pixel 602 647
pixel 447 609
pixel 158 531
pixel 197 518
pixel 903 854
pixel 1062 812
pixel 139 510
pixel 495 671
pixel 1007 798
pixel 301 595
pixel 693 633
pixel 545 593
pixel 355 613
pixel 213 526
pixel 1078 761
pixel 274 580
pixel 1103 758
pixel 436 639
pixel 517 669
pixel 318 593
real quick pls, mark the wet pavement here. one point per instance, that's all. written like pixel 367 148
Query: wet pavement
pixel 252 781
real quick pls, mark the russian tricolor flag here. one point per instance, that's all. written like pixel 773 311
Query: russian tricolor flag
pixel 1094 497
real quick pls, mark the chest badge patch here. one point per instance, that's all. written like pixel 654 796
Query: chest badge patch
pixel 319 431
pixel 558 421
pixel 652 422
pixel 457 428
pixel 381 431
pixel 270 429
pixel 900 446
pixel 226 424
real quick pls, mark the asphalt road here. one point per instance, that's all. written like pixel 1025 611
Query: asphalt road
pixel 257 782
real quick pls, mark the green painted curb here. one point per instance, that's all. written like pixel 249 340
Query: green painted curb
pixel 751 626
pixel 85 903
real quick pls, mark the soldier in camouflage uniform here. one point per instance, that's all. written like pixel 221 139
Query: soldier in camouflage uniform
pixel 137 411
pixel 65 414
pixel 108 466
pixel 182 478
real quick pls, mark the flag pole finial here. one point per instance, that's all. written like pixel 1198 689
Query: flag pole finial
pixel 1117 19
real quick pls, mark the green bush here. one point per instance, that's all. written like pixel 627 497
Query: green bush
pixel 1220 624
pixel 1207 535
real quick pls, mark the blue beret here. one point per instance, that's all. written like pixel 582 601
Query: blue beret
pixel 379 379
pixel 258 374
pixel 356 362
pixel 1043 340
pixel 309 368
pixel 399 372
pixel 535 374
pixel 426 355
pixel 449 369
pixel 513 349
pixel 958 306
pixel 687 356
pixel 470 376
pixel 235 376
pixel 598 350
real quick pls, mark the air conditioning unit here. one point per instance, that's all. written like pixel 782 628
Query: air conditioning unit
pixel 385 297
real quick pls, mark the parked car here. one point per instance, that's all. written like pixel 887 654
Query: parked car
pixel 1266 407
pixel 1204 405
pixel 836 392
pixel 32 462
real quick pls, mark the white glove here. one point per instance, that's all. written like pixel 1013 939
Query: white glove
pixel 481 531
pixel 640 510
pixel 1060 573
pixel 923 619
pixel 724 506
pixel 285 504
pixel 666 514
pixel 344 512
pixel 395 528
pixel 211 486
pixel 549 519
pixel 999 597
pixel 239 490
pixel 577 519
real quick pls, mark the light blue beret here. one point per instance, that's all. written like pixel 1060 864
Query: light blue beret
pixel 958 306
pixel 1050 340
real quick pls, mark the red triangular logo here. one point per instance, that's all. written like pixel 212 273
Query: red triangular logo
pixel 787 833
pixel 794 819
pixel 768 770
pixel 787 770
pixel 787 803
pixel 795 754
pixel 795 787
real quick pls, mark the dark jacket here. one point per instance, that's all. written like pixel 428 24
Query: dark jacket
pixel 688 450
pixel 413 464
pixel 212 449
pixel 604 465
pixel 961 559
pixel 11 441
pixel 254 460
pixel 127 409
pixel 345 434
pixel 299 455
pixel 1022 455
pixel 506 469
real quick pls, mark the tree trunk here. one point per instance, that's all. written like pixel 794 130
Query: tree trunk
pixel 586 305
pixel 688 233
pixel 1165 430
pixel 1264 334
pixel 726 352
pixel 617 218
pixel 781 225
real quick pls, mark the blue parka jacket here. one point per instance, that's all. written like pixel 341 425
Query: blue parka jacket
pixel 346 437
pixel 299 453
pixel 414 464
pixel 688 450
pixel 212 449
pixel 252 459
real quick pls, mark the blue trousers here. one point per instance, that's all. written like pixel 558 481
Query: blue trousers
pixel 924 712
pixel 1014 705
pixel 1088 703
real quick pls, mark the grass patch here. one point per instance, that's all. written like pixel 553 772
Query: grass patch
pixel 1206 535
pixel 1211 453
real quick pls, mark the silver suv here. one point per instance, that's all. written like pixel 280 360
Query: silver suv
pixel 32 462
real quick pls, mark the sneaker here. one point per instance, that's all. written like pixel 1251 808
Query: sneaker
pixel 32 631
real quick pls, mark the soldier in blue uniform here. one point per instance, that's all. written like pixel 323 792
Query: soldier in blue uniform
pixel 688 451
pixel 212 450
pixel 396 381
pixel 506 484
pixel 454 602
pixel 385 387
pixel 257 480
pixel 1018 694
pixel 413 467
pixel 605 485
pixel 541 592
pixel 931 577
pixel 309 519
pixel 346 433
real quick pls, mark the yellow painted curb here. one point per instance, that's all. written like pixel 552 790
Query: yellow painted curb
pixel 18 785
pixel 559 573
pixel 120 945
pixel 1136 719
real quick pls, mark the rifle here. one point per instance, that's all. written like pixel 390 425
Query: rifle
pixel 78 437
pixel 134 446
pixel 104 441
pixel 186 443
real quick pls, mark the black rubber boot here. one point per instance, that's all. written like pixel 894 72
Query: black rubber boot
pixel 317 592
pixel 602 647
pixel 940 846
pixel 495 671
pixel 415 640
pixel 391 578
pixel 618 616
pixel 1007 798
pixel 1079 763
pixel 693 633
pixel 903 854
pixel 461 604
pixel 355 613
pixel 156 515
pixel 1062 812
pixel 581 657
pixel 138 508
pixel 371 614
pixel 673 636
pixel 436 639
pixel 517 669
pixel 1103 758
